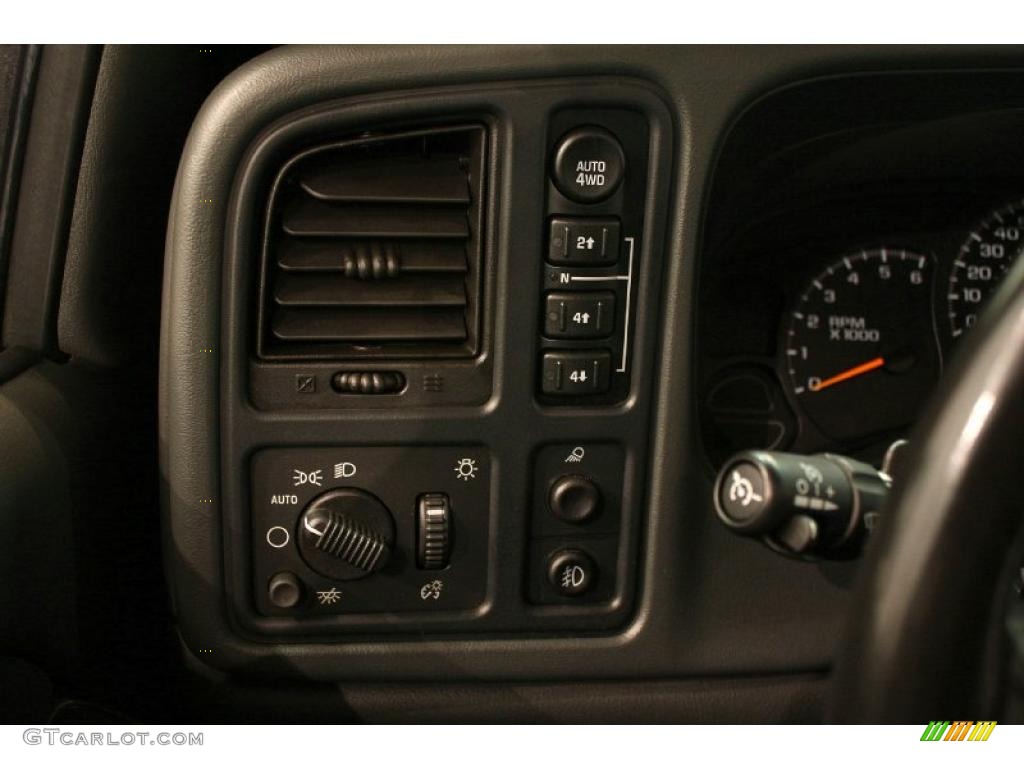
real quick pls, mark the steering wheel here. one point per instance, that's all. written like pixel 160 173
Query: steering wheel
pixel 925 634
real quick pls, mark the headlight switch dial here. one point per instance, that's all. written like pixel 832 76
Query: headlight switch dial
pixel 346 534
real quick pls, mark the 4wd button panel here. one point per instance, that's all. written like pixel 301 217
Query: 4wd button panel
pixel 594 214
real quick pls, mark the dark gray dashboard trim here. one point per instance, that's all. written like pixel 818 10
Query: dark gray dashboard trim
pixel 710 604
pixel 21 63
pixel 63 89
pixel 511 109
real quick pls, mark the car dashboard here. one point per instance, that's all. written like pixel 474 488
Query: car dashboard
pixel 391 383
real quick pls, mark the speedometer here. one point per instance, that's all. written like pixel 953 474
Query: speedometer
pixel 860 348
pixel 986 255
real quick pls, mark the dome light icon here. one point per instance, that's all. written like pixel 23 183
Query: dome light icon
pixel 465 470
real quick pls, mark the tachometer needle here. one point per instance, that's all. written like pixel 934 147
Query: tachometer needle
pixel 849 373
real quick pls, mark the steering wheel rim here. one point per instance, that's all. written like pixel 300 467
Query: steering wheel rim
pixel 916 644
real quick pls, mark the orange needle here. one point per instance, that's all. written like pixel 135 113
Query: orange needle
pixel 850 373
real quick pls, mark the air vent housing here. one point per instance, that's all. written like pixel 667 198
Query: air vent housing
pixel 373 249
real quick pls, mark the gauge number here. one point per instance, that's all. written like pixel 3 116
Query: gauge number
pixel 984 258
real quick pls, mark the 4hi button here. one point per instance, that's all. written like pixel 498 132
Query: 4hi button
pixel 589 165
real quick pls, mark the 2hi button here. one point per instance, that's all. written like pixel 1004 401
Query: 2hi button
pixel 589 165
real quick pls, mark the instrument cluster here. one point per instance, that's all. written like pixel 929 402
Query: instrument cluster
pixel 865 338
pixel 831 326
pixel 855 229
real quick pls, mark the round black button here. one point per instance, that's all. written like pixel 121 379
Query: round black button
pixel 285 590
pixel 574 499
pixel 743 493
pixel 589 165
pixel 571 572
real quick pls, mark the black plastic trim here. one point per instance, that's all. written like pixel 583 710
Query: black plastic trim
pixel 49 172
pixel 10 163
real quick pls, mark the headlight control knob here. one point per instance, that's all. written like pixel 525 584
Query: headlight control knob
pixel 346 534
pixel 433 531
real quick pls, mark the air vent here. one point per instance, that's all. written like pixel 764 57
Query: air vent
pixel 373 249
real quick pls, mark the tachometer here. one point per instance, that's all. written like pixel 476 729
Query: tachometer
pixel 860 347
pixel 984 258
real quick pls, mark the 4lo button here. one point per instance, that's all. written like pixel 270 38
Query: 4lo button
pixel 573 372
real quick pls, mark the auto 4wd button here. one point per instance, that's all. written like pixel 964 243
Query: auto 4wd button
pixel 589 165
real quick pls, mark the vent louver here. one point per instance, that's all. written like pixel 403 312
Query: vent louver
pixel 373 249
